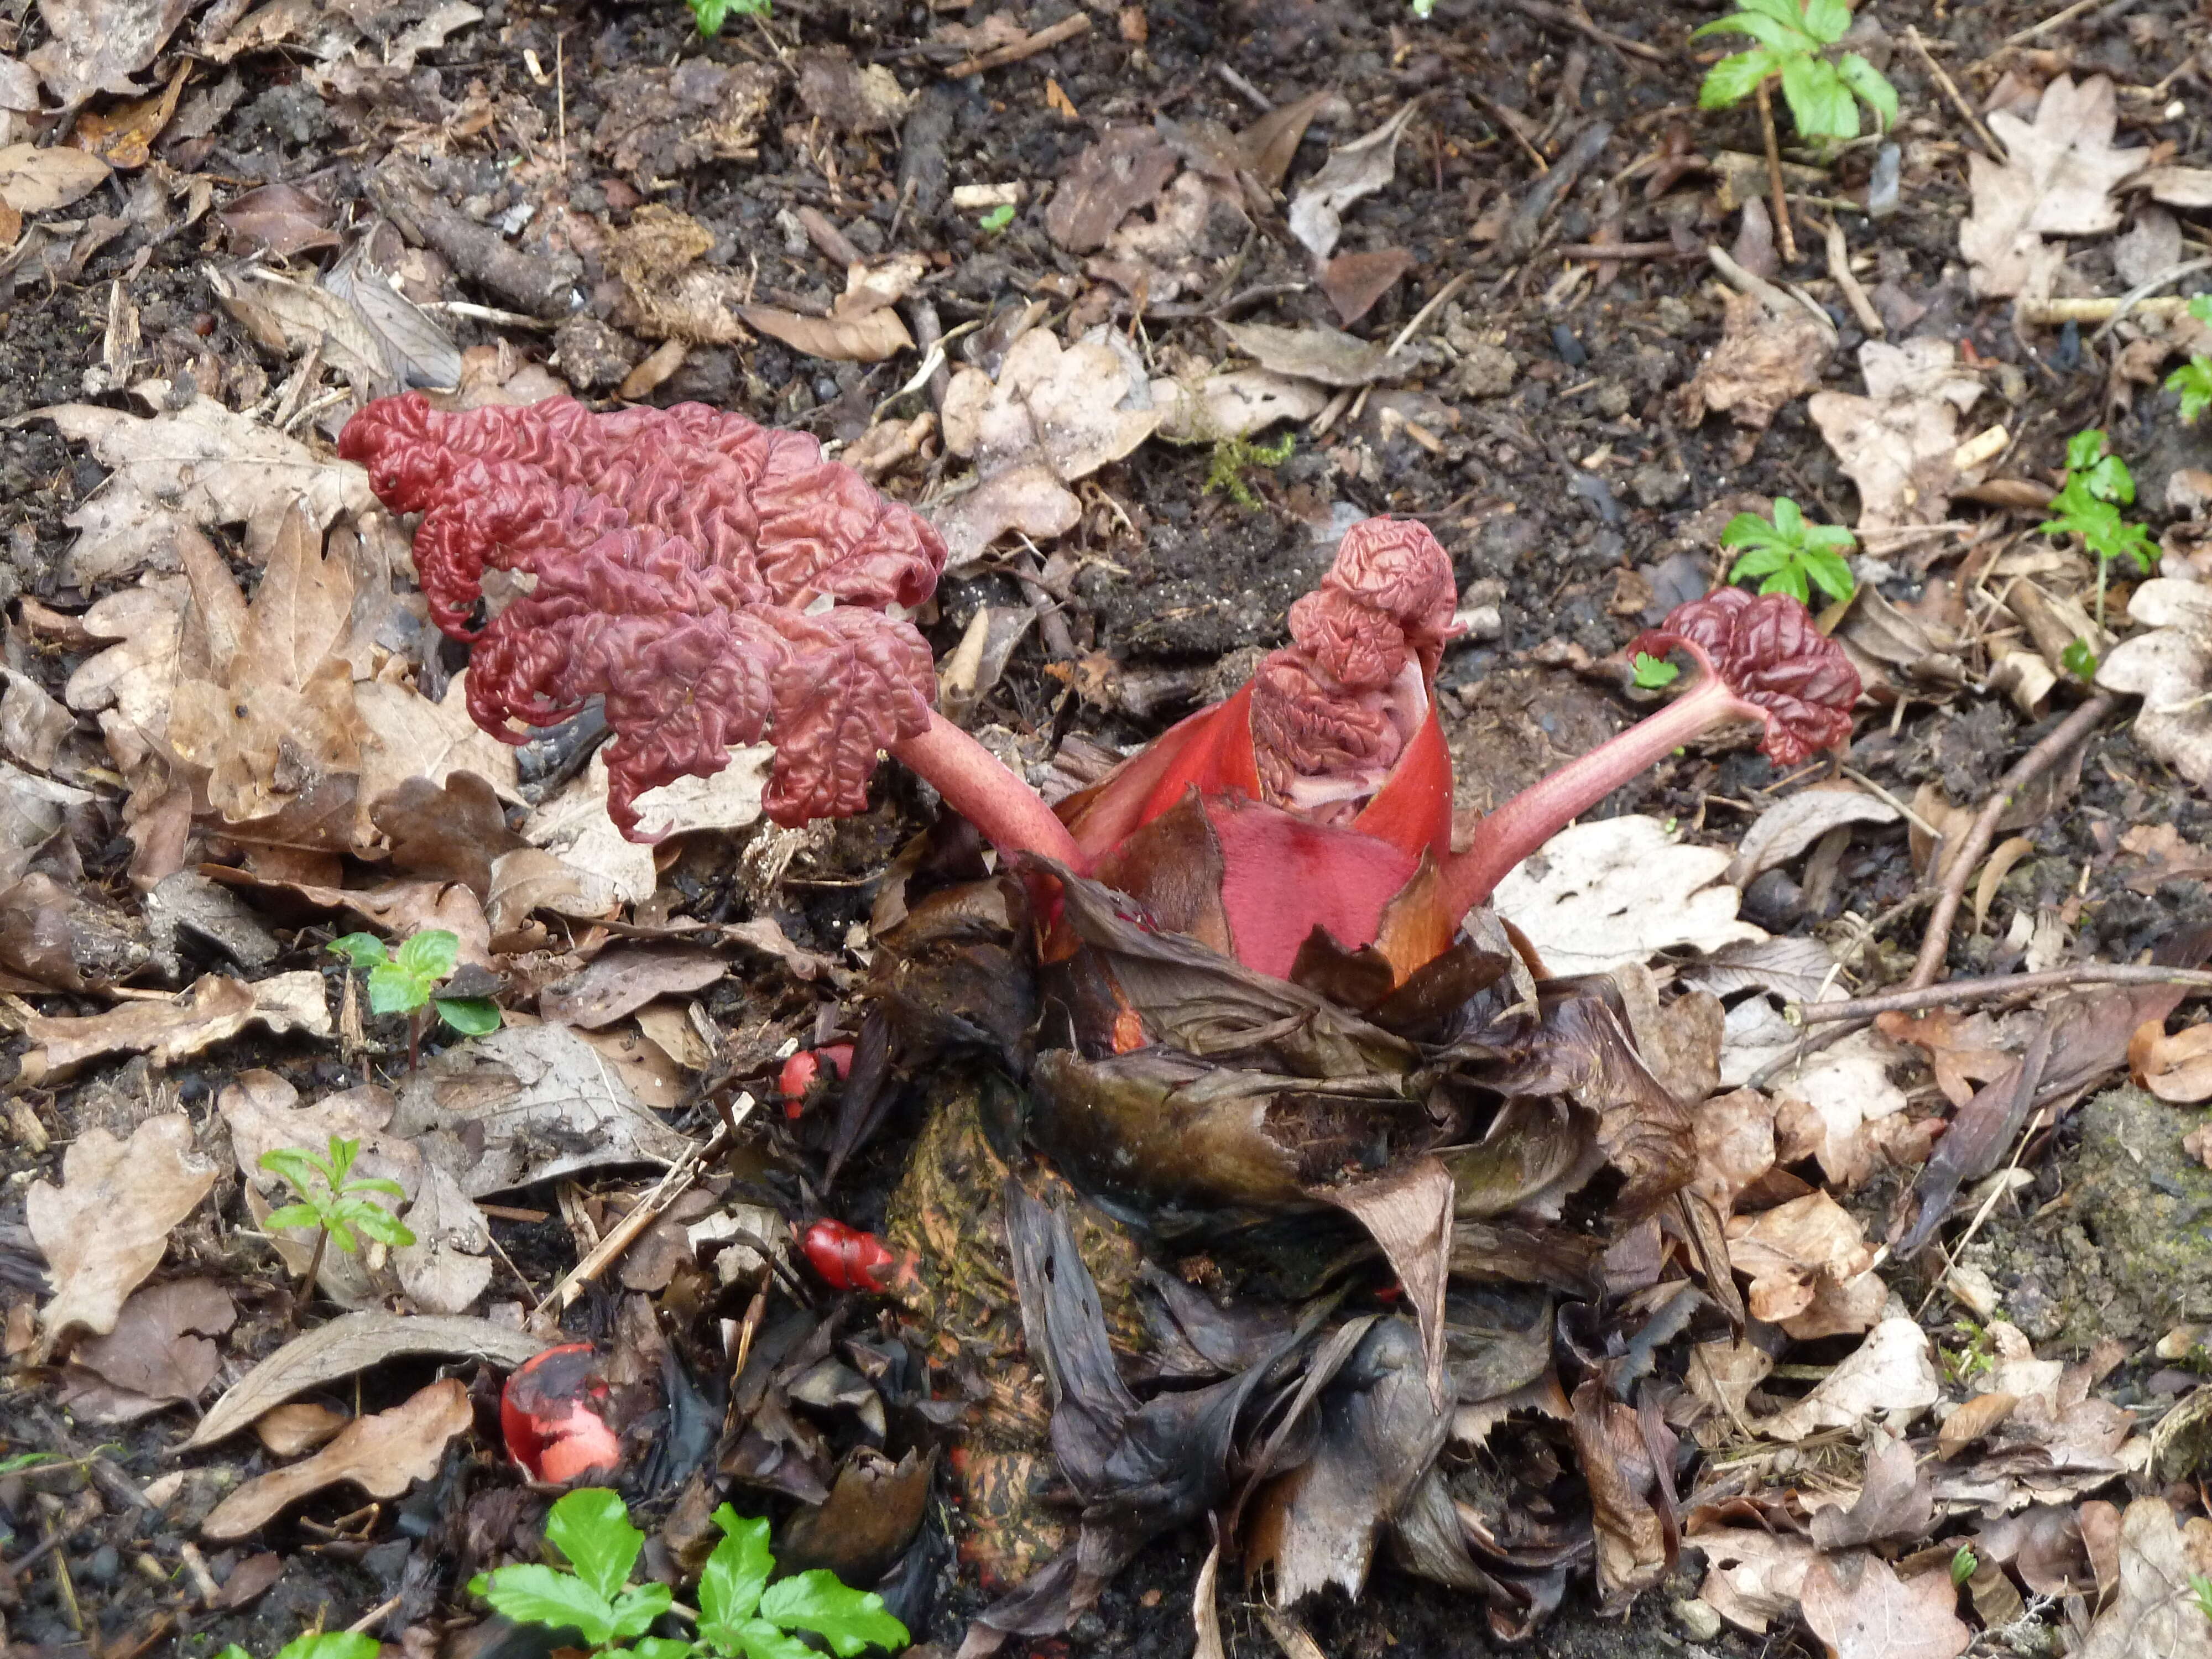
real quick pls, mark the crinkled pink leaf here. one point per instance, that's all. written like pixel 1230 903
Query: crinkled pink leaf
pixel 1768 650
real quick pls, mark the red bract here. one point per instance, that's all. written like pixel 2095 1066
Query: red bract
pixel 846 1258
pixel 550 1414
pixel 800 1071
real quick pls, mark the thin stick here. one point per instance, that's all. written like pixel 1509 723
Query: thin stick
pixel 1625 251
pixel 1243 88
pixel 2135 295
pixel 1774 172
pixel 625 1233
pixel 2053 314
pixel 1957 993
pixel 1936 944
pixel 1043 41
pixel 1840 267
pixel 1577 19
pixel 1951 91
pixel 2055 20
pixel 1427 312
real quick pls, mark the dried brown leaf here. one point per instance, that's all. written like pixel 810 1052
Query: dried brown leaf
pixel 2169 666
pixel 158 1347
pixel 2177 1067
pixel 1359 168
pixel 623 980
pixel 35 180
pixel 1126 169
pixel 1861 1609
pixel 105 1227
pixel 383 1455
pixel 2058 180
pixel 1767 357
pixel 212 1008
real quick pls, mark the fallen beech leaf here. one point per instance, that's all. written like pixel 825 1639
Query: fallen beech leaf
pixel 2150 1615
pixel 1860 1609
pixel 2170 667
pixel 1621 890
pixel 197 466
pixel 1353 170
pixel 1894 1502
pixel 105 1227
pixel 2043 1543
pixel 158 1347
pixel 861 327
pixel 211 1009
pixel 1768 356
pixel 1315 352
pixel 354 1342
pixel 1355 282
pixel 2058 180
pixel 401 908
pixel 410 737
pixel 1978 1417
pixel 1890 1376
pixel 34 180
pixel 1897 441
pixel 1794 823
pixel 2178 1067
pixel 301 1426
pixel 383 1455
pixel 625 979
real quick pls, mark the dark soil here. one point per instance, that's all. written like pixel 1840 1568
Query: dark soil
pixel 1171 580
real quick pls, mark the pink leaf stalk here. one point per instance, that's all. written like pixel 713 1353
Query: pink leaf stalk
pixel 1760 658
pixel 717 582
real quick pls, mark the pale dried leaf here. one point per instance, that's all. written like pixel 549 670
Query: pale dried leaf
pixel 212 1008
pixel 1316 352
pixel 105 1227
pixel 2153 1614
pixel 624 979
pixel 384 1455
pixel 2177 1067
pixel 1621 890
pixel 1890 1376
pixel 1235 404
pixel 2058 180
pixel 1836 1104
pixel 35 180
pixel 1860 1609
pixel 1353 170
pixel 1897 443
pixel 303 1427
pixel 1767 357
pixel 97 45
pixel 1752 1577
pixel 159 1347
pixel 1794 823
pixel 2169 666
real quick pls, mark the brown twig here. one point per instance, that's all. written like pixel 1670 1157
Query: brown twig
pixel 1043 41
pixel 620 1237
pixel 1804 1050
pixel 1958 992
pixel 1782 225
pixel 1576 18
pixel 1936 944
pixel 1625 251
pixel 1951 90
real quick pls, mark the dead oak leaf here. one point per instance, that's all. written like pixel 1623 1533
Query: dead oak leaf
pixel 105 1228
pixel 383 1455
pixel 200 464
pixel 1807 1261
pixel 862 327
pixel 2169 666
pixel 1961 1048
pixel 2058 181
pixel 1898 442
pixel 212 1008
pixel 1861 1609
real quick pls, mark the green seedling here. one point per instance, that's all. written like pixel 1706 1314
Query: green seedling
pixel 320 1645
pixel 1791 554
pixel 2193 381
pixel 997 219
pixel 711 14
pixel 2200 1591
pixel 22 1460
pixel 2079 660
pixel 2098 484
pixel 1654 673
pixel 1964 1564
pixel 407 984
pixel 741 1614
pixel 1823 95
pixel 1233 457
pixel 333 1202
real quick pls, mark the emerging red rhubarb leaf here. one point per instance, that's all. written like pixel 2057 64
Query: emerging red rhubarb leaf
pixel 1771 655
pixel 551 1415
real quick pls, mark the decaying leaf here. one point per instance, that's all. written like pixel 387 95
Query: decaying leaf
pixel 354 1342
pixel 597 868
pixel 1317 353
pixel 862 327
pixel 1753 1576
pixel 623 980
pixel 1891 1376
pixel 2058 181
pixel 1794 823
pixel 36 180
pixel 211 1009
pixel 1808 1260
pixel 1860 1609
pixel 2177 1068
pixel 1126 169
pixel 1769 355
pixel 1841 1108
pixel 158 1352
pixel 1899 442
pixel 105 1228
pixel 1053 416
pixel 199 465
pixel 1961 1047
pixel 1353 170
pixel 1621 890
pixel 97 45
pixel 2153 1613
pixel 1894 1502
pixel 383 1454
pixel 2169 666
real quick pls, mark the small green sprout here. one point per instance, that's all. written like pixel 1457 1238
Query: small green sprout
pixel 1964 1564
pixel 1793 556
pixel 22 1460
pixel 997 219
pixel 741 1614
pixel 1424 9
pixel 711 14
pixel 2193 381
pixel 1653 673
pixel 316 1644
pixel 406 983
pixel 2079 660
pixel 2200 1591
pixel 1232 457
pixel 2098 484
pixel 1823 96
pixel 333 1202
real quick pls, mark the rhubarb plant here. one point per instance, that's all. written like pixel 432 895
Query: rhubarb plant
pixel 718 584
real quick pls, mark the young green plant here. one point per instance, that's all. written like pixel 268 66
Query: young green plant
pixel 316 1644
pixel 997 219
pixel 2193 381
pixel 1233 457
pixel 741 1614
pixel 2098 484
pixel 406 983
pixel 334 1201
pixel 711 14
pixel 1790 555
pixel 1794 42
